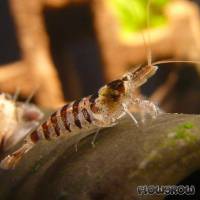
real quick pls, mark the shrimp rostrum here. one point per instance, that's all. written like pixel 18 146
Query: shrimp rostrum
pixel 102 109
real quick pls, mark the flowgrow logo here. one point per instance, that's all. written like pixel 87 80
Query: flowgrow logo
pixel 166 190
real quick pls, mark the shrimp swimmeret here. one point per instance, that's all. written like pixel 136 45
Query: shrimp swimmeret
pixel 102 109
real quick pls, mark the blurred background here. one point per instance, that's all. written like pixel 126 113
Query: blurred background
pixel 62 50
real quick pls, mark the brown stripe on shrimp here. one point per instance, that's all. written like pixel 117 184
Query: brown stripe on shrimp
pixel 92 99
pixel 86 115
pixel 75 112
pixel 54 122
pixel 63 114
pixel 51 129
pixel 34 136
pixel 46 131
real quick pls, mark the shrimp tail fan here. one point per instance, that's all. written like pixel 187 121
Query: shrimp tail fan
pixel 10 161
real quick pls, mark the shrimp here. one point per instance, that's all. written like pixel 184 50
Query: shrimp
pixel 102 109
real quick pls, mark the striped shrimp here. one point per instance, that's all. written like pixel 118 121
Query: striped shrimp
pixel 102 109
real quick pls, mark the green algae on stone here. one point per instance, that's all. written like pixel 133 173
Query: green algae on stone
pixel 184 132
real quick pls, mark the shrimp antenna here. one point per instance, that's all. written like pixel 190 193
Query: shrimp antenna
pixel 147 47
pixel 149 52
pixel 175 61
pixel 147 44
